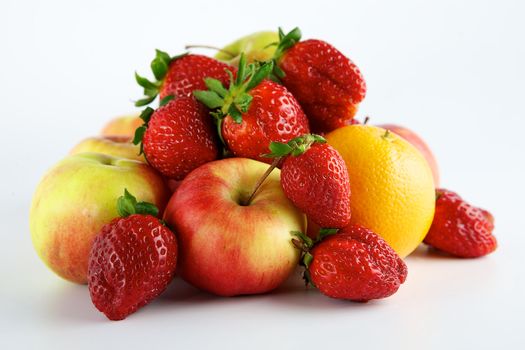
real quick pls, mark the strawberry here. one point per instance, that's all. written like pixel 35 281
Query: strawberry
pixel 178 76
pixel 352 121
pixel 488 216
pixel 132 259
pixel 314 177
pixel 354 264
pixel 253 111
pixel 327 84
pixel 177 137
pixel 459 228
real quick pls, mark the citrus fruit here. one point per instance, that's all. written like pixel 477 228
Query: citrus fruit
pixel 391 182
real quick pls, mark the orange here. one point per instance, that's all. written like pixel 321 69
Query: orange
pixel 392 188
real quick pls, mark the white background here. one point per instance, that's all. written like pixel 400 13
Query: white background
pixel 451 70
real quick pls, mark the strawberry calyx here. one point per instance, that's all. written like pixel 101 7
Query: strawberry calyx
pixel 159 66
pixel 235 100
pixel 294 147
pixel 128 205
pixel 285 42
pixel 305 245
pixel 139 132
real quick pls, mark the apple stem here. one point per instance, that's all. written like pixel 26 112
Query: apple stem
pixel 259 183
pixel 367 119
pixel 187 47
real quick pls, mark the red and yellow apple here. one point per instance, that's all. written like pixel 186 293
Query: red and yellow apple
pixel 227 246
pixel 417 142
pixel 76 198
pixel 122 126
pixel 117 146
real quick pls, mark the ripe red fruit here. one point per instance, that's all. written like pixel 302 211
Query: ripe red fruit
pixel 488 216
pixel 132 260
pixel 352 121
pixel 254 111
pixel 459 228
pixel 177 137
pixel 327 84
pixel 274 115
pixel 314 177
pixel 356 264
pixel 178 76
pixel 187 74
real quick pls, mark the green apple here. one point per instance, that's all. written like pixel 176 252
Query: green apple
pixel 118 146
pixel 76 198
pixel 255 47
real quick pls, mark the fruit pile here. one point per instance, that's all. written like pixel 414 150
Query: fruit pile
pixel 252 163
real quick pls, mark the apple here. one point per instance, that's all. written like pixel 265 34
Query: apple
pixel 122 126
pixel 227 246
pixel 255 47
pixel 417 142
pixel 118 146
pixel 76 198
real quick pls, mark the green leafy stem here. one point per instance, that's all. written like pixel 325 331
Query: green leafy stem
pixel 159 66
pixel 128 205
pixel 235 100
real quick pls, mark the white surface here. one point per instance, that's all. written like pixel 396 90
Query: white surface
pixel 453 71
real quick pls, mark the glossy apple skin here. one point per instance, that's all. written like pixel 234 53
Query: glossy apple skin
pixel 76 198
pixel 117 146
pixel 417 142
pixel 255 46
pixel 226 248
pixel 122 126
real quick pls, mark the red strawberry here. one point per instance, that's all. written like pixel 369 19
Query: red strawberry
pixel 314 177
pixel 132 260
pixel 459 228
pixel 178 76
pixel 488 216
pixel 354 264
pixel 352 121
pixel 177 137
pixel 327 84
pixel 254 111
